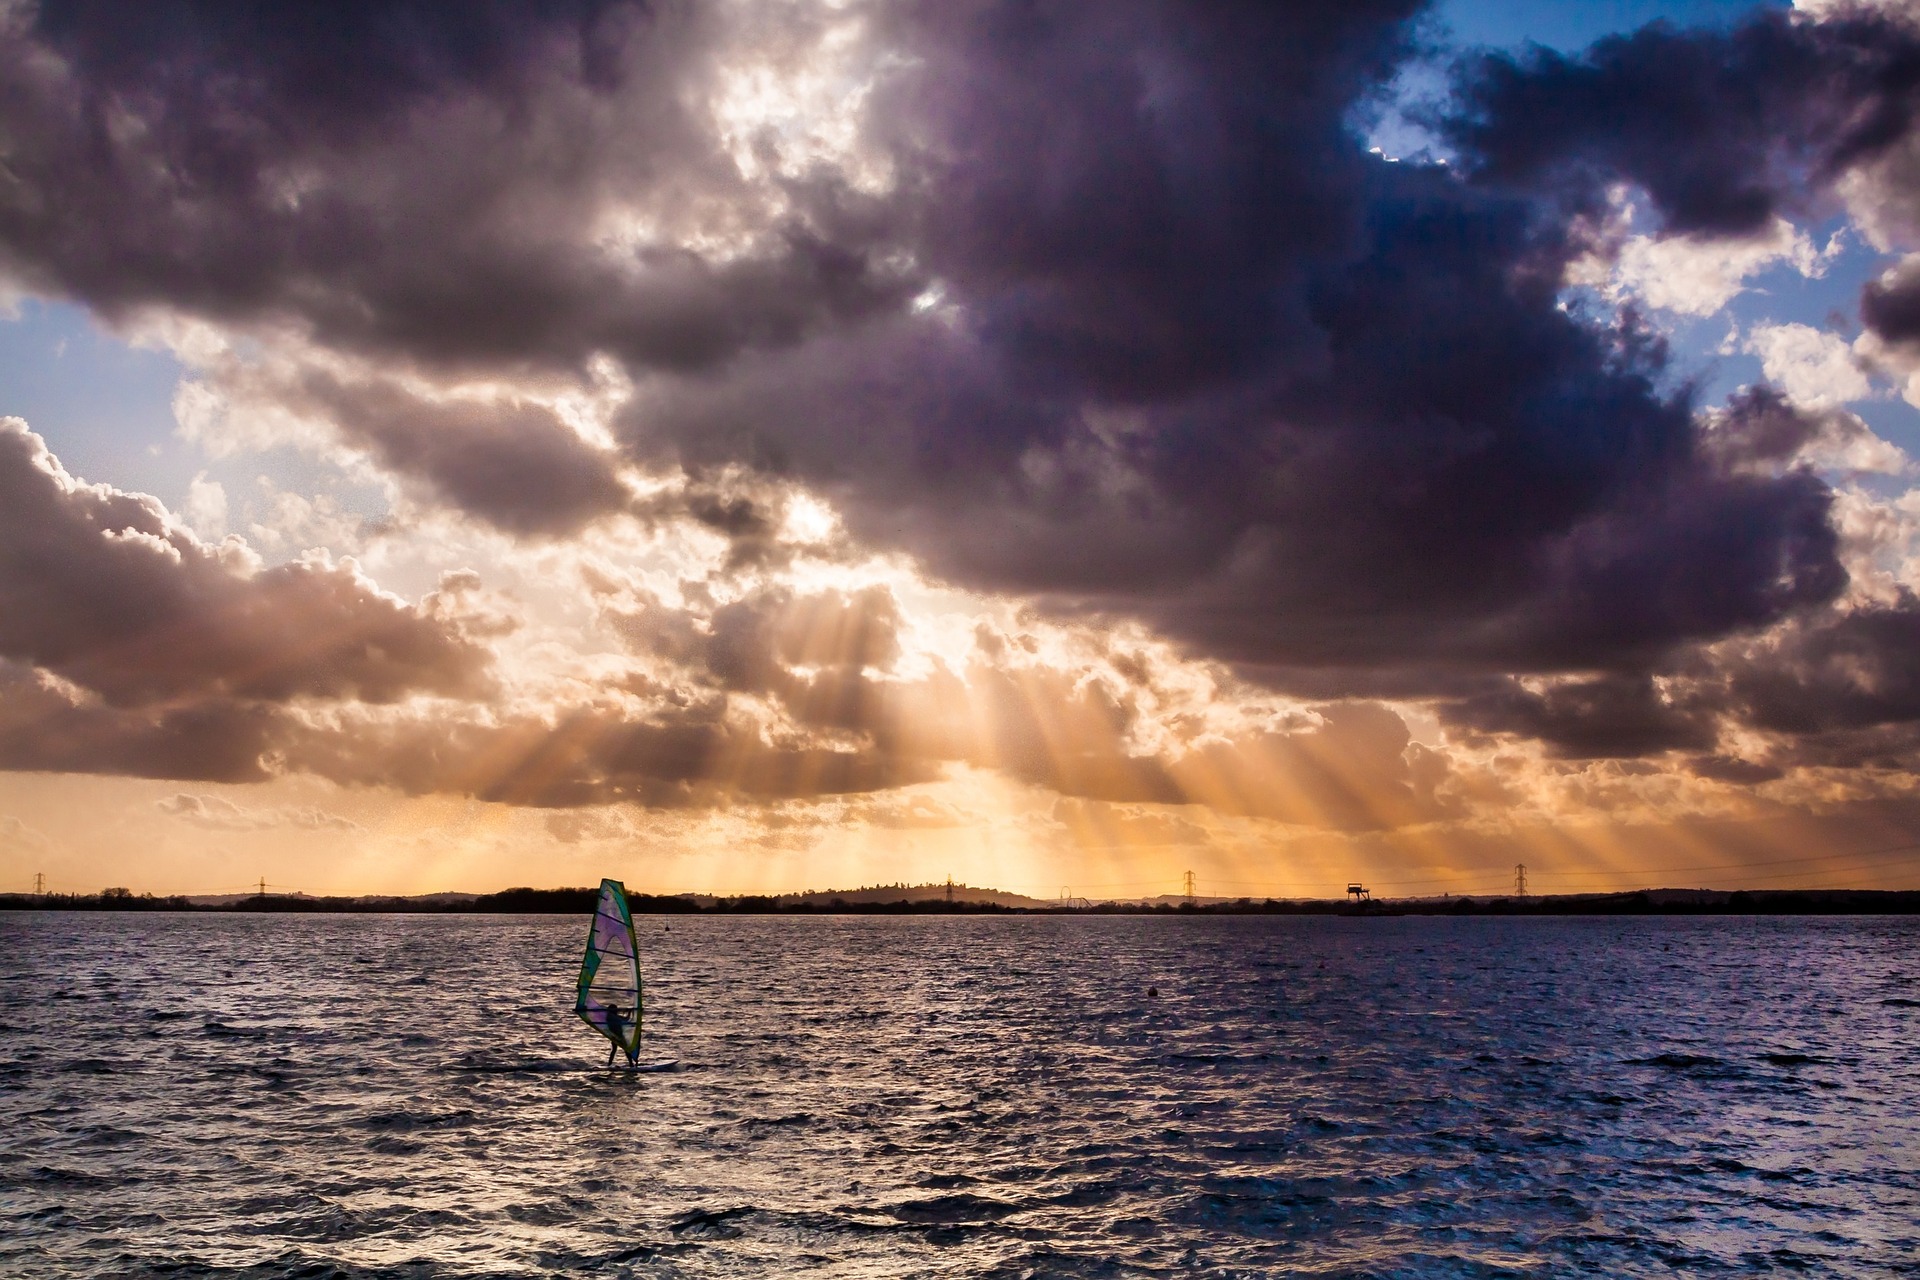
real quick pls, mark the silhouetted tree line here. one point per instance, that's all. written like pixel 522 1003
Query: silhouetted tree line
pixel 527 901
pixel 106 900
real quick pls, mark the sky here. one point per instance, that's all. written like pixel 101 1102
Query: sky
pixel 763 445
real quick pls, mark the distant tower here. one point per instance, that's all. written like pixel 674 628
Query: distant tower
pixel 39 884
pixel 949 890
pixel 1189 888
pixel 263 886
pixel 1519 879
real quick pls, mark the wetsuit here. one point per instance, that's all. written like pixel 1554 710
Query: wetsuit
pixel 615 1021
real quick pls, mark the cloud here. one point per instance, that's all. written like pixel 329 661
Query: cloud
pixel 1357 769
pixel 1890 305
pixel 1760 430
pixel 663 757
pixel 1724 130
pixel 205 511
pixel 513 462
pixel 780 695
pixel 1851 670
pixel 219 814
pixel 1815 369
pixel 1693 275
pixel 1115 725
pixel 1890 313
pixel 17 837
pixel 1604 716
pixel 1837 687
pixel 1103 308
pixel 47 725
pixel 1355 429
pixel 1106 307
pixel 107 590
pixel 517 187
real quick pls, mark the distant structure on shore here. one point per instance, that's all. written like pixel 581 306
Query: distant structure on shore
pixel 954 898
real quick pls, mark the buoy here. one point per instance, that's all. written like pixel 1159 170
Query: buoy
pixel 1153 993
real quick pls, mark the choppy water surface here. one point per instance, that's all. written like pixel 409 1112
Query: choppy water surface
pixel 409 1096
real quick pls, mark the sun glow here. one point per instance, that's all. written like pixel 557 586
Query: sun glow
pixel 764 443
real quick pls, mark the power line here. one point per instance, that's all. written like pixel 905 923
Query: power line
pixel 1492 877
pixel 1771 862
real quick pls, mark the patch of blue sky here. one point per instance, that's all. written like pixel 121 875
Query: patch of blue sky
pixel 1780 294
pixel 1713 351
pixel 1712 356
pixel 1454 27
pixel 1571 25
pixel 105 408
pixel 103 405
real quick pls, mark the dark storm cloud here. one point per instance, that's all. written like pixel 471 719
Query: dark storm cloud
pixel 1723 129
pixel 1830 687
pixel 1138 328
pixel 1851 671
pixel 336 67
pixel 1129 197
pixel 1890 306
pixel 102 588
pixel 1760 426
pixel 1733 769
pixel 1582 719
pixel 1421 459
pixel 514 464
pixel 44 728
pixel 410 180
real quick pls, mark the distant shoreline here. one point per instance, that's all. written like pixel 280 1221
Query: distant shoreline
pixel 916 900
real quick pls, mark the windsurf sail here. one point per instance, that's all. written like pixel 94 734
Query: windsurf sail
pixel 610 972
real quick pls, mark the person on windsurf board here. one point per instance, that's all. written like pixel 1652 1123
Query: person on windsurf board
pixel 609 994
pixel 616 1032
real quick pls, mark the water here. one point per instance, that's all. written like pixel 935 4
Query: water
pixel 408 1096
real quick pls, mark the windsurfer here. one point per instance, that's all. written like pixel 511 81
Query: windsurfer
pixel 616 1032
pixel 610 972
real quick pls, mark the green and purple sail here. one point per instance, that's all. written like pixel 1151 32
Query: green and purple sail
pixel 609 998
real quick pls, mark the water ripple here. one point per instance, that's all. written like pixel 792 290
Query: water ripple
pixel 385 1097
